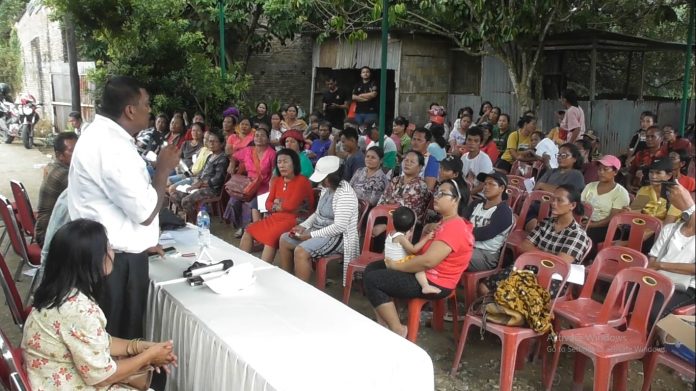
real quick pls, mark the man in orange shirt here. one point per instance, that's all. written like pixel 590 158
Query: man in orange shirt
pixel 680 159
pixel 672 142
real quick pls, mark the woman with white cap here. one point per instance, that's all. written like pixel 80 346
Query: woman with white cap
pixel 332 228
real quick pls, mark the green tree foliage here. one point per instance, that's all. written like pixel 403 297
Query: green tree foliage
pixel 173 46
pixel 10 52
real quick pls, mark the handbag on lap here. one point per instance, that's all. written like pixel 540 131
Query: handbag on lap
pixel 241 186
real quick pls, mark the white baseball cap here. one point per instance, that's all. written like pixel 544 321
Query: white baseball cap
pixel 324 167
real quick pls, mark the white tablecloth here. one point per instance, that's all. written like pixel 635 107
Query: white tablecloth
pixel 279 334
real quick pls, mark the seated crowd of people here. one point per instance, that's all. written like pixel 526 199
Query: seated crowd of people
pixel 286 157
pixel 449 185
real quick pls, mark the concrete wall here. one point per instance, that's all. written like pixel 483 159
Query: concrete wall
pixel 424 76
pixel 42 46
pixel 283 74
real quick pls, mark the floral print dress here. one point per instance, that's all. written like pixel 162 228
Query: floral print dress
pixel 68 348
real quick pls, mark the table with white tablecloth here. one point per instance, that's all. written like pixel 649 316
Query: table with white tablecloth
pixel 278 334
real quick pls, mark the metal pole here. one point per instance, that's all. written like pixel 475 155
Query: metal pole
pixel 687 70
pixel 221 18
pixel 383 73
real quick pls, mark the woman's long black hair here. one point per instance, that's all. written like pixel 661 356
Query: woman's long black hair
pixel 75 261
pixel 575 151
pixel 574 195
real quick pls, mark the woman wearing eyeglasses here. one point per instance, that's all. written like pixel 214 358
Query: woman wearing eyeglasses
pixel 568 173
pixel 443 259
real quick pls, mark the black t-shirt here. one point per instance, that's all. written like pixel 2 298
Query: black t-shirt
pixel 370 106
pixel 637 145
pixel 335 115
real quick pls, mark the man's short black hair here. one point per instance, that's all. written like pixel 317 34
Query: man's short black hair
pixel 426 133
pixel 76 115
pixel 475 131
pixel 59 142
pixel 119 92
pixel 350 133
pixel 403 219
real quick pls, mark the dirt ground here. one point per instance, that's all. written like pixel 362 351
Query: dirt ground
pixel 480 362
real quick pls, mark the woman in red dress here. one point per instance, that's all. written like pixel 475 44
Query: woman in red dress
pixel 291 197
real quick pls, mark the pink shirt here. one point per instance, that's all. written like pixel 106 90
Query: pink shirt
pixel 237 142
pixel 574 118
pixel 266 163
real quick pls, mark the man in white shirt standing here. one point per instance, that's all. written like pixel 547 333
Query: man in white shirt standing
pixel 475 162
pixel 109 183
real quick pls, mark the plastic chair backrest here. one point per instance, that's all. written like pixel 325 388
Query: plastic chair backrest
pixel 14 300
pixel 363 209
pixel 513 194
pixel 522 169
pixel 638 224
pixel 19 245
pixel 544 197
pixel 517 181
pixel 11 369
pixel 647 283
pixel 612 260
pixel 24 209
pixel 376 212
pixel 584 219
pixel 547 265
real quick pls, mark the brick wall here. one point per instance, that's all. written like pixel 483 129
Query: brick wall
pixel 41 42
pixel 283 74
pixel 424 76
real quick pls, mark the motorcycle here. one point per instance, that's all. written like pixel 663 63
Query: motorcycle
pixel 28 116
pixel 9 121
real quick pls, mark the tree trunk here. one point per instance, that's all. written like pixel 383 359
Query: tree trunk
pixel 76 104
pixel 521 83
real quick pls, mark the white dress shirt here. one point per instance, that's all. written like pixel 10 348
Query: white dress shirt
pixel 108 183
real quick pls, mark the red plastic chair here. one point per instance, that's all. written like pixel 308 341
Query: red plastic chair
pixel 519 234
pixel 470 280
pixel 514 195
pixel 320 264
pixel 512 337
pixel 584 310
pixel 584 219
pixel 438 320
pixel 25 214
pixel 517 181
pixel 656 357
pixel 638 224
pixel 609 348
pixel 366 257
pixel 523 169
pixel 30 254
pixel 14 300
pixel 12 373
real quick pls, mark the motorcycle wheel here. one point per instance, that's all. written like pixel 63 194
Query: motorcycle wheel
pixel 27 137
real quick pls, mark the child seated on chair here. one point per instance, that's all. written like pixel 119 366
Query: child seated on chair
pixel 399 249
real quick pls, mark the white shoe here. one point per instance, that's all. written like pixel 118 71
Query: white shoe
pixel 238 234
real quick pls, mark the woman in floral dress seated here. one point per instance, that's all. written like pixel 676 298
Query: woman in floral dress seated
pixel 65 345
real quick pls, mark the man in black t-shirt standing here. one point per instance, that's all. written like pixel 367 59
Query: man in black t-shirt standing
pixel 365 94
pixel 335 102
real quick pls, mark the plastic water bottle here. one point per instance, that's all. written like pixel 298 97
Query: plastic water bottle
pixel 203 223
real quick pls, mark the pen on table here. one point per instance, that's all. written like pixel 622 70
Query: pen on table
pixel 188 255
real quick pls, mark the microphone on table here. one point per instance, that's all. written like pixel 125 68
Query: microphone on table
pixel 197 271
